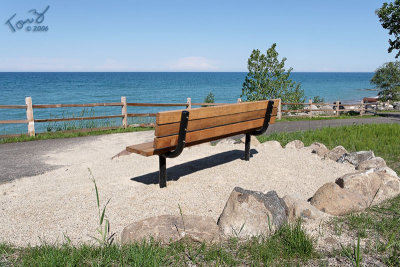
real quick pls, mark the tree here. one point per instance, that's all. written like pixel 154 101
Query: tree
pixel 268 79
pixel 318 99
pixel 387 79
pixel 389 16
pixel 210 98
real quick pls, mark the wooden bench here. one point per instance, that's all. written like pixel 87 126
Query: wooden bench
pixel 175 130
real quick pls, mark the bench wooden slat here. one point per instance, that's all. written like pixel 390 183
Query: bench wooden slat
pixel 200 113
pixel 193 125
pixel 237 128
pixel 146 149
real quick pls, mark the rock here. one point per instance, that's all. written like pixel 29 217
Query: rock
pixel 388 171
pixel 274 144
pixel 253 140
pixel 226 141
pixel 336 153
pixel 328 110
pixel 356 158
pixel 251 213
pixel 374 185
pixel 373 163
pixel 333 199
pixel 295 144
pixel 164 229
pixel 301 209
pixel 319 149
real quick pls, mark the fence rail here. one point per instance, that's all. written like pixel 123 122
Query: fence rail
pixel 30 120
pixel 308 110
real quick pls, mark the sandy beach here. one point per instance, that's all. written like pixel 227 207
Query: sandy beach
pixel 60 202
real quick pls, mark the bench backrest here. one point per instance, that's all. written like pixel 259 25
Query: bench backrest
pixel 211 123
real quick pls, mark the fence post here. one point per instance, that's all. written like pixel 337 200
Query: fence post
pixel 362 109
pixel 29 116
pixel 310 103
pixel 239 100
pixel 337 108
pixel 280 109
pixel 189 103
pixel 124 112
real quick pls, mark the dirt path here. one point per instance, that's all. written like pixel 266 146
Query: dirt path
pixel 29 158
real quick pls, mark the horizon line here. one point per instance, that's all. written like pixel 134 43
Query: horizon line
pixel 176 71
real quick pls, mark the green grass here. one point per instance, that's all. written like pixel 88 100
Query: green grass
pixel 289 246
pixel 379 226
pixel 57 135
pixel 383 139
pixel 319 118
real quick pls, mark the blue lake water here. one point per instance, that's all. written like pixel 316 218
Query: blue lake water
pixel 154 87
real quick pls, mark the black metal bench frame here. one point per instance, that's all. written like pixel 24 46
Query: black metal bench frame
pixel 182 136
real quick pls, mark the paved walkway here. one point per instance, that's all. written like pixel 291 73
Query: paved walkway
pixel 27 159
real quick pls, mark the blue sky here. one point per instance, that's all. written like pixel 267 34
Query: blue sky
pixel 193 35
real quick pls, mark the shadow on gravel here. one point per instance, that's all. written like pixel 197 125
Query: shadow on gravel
pixel 174 173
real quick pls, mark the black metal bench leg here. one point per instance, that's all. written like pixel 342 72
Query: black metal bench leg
pixel 247 148
pixel 163 171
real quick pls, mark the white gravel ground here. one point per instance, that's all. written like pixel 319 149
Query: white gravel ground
pixel 46 207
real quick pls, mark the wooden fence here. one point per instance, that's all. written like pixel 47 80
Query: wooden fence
pixel 30 120
pixel 336 109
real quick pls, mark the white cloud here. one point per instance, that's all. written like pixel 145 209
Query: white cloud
pixel 193 64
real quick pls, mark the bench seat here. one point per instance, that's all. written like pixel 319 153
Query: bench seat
pixel 183 128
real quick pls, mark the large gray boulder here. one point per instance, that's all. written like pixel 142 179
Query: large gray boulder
pixel 301 209
pixel 319 149
pixel 356 158
pixel 372 163
pixel 250 213
pixel 336 153
pixel 296 144
pixel 333 199
pixel 374 185
pixel 170 228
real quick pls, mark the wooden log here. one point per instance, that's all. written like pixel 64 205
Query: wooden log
pixel 200 113
pixel 208 104
pixel 13 106
pixel 362 108
pixel 337 108
pixel 124 112
pixel 79 118
pixel 142 114
pixel 29 116
pixel 114 104
pixel 280 109
pixel 156 104
pixel 13 121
